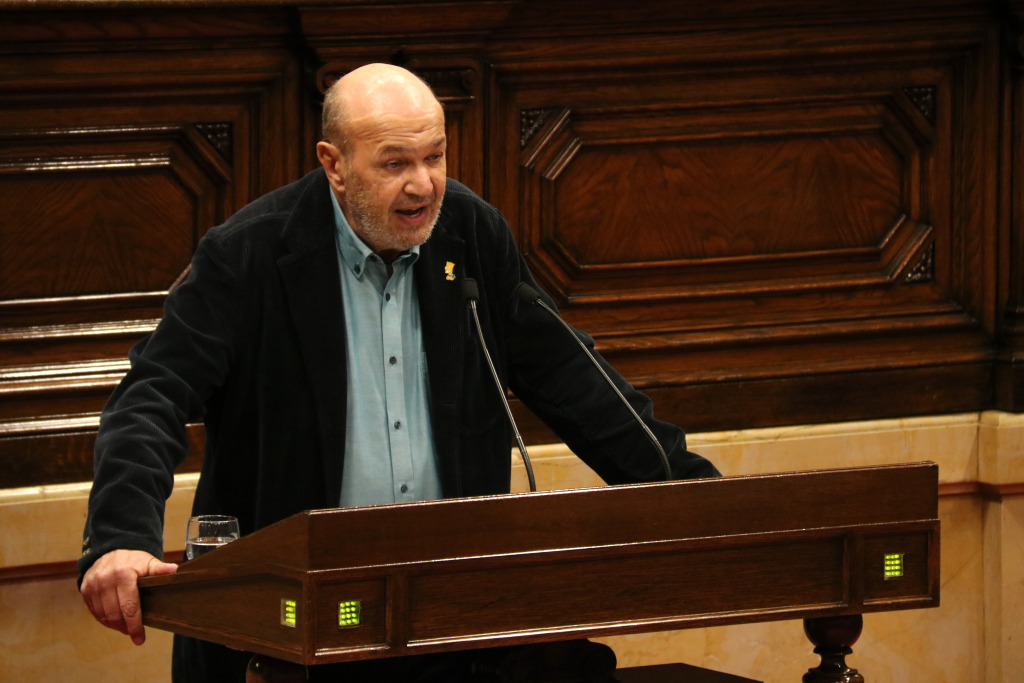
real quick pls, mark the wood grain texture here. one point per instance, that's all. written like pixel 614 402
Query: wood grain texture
pixel 764 215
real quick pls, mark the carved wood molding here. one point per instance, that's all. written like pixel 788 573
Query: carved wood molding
pixel 220 135
pixel 171 159
pixel 530 123
pixel 762 213
pixel 85 276
pixel 667 161
pixel 924 269
pixel 923 98
pixel 842 267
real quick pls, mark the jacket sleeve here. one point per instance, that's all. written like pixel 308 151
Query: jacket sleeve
pixel 563 387
pixel 142 434
pixel 548 371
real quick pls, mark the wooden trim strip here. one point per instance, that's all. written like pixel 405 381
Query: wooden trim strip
pixel 991 492
pixel 959 488
pixel 997 492
pixel 69 570
pixel 52 571
pixel 38 572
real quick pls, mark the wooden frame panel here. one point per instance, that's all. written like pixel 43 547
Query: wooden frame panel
pixel 763 214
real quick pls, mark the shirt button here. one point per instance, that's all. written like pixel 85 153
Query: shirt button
pixel 387 297
pixel 404 488
pixel 392 360
pixel 398 424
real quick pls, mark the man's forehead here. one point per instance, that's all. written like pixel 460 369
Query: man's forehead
pixel 384 134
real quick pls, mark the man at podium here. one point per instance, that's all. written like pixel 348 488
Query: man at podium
pixel 334 337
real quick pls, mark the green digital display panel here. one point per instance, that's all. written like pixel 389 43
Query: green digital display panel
pixel 892 567
pixel 349 613
pixel 289 613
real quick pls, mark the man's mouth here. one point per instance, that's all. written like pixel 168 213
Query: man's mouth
pixel 413 213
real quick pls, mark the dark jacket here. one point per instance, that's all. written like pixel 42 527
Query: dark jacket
pixel 253 344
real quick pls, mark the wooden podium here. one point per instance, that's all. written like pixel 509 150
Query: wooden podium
pixel 346 584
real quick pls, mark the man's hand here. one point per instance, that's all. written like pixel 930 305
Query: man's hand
pixel 111 592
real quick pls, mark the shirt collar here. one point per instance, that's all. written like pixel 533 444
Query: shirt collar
pixel 353 251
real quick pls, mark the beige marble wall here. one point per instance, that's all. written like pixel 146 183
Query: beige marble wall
pixel 945 644
pixel 46 633
pixel 1001 466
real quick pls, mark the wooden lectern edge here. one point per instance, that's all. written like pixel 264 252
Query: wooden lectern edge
pixel 579 553
pixel 230 572
pixel 636 485
pixel 596 489
pixel 228 639
pixel 308 518
pixel 191 571
pixel 217 566
pixel 583 490
pixel 603 630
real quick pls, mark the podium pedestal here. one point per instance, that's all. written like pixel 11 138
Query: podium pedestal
pixel 266 670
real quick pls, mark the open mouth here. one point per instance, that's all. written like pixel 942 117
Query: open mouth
pixel 413 213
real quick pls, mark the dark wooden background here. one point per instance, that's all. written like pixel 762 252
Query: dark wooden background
pixel 765 213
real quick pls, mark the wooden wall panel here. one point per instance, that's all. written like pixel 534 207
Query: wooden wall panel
pixel 121 143
pixel 765 214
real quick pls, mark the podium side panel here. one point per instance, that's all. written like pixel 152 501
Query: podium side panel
pixel 632 591
pixel 252 613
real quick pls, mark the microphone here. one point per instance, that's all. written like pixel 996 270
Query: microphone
pixel 531 296
pixel 470 295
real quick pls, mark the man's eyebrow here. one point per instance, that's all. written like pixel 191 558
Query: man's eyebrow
pixel 401 149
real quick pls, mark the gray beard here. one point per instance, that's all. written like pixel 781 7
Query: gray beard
pixel 374 231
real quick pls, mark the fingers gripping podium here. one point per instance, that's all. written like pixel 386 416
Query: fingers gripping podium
pixel 461 574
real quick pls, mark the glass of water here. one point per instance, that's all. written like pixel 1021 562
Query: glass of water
pixel 206 532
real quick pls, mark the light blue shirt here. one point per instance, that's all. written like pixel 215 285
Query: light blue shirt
pixel 389 445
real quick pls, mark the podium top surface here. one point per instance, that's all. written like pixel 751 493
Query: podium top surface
pixel 587 518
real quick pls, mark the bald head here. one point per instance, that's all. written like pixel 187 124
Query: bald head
pixel 384 153
pixel 373 93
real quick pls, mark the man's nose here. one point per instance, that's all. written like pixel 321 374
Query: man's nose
pixel 419 182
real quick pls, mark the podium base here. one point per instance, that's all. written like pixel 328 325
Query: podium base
pixel 569 662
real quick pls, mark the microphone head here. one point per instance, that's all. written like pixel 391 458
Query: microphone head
pixel 526 294
pixel 470 292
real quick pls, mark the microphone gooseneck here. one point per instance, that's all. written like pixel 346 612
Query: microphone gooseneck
pixel 470 295
pixel 528 295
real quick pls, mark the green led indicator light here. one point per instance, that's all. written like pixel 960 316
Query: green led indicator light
pixel 289 613
pixel 892 567
pixel 349 612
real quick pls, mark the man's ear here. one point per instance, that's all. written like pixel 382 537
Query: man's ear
pixel 332 160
